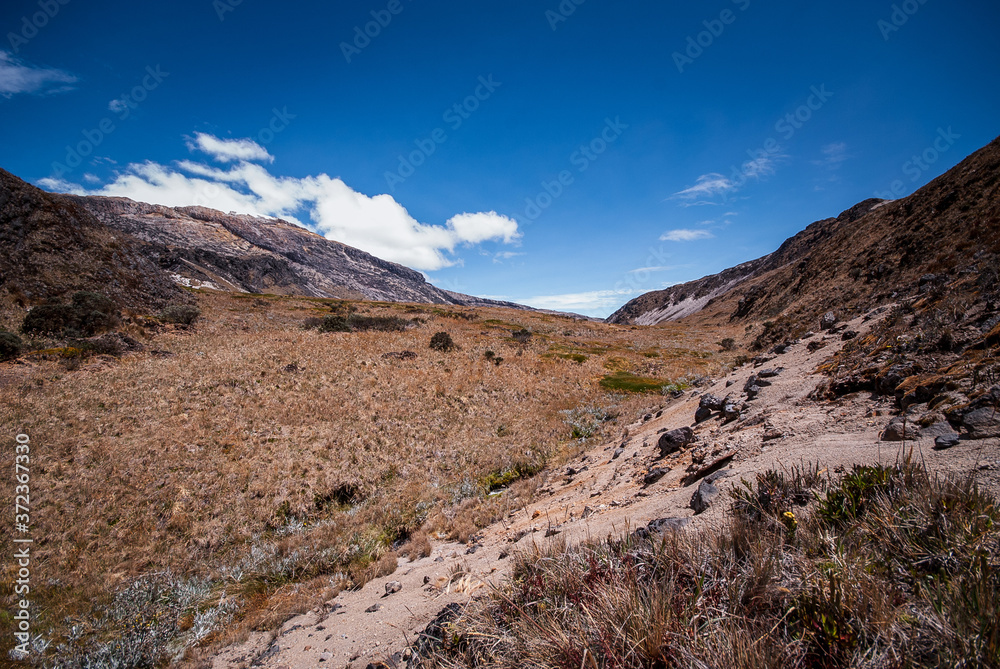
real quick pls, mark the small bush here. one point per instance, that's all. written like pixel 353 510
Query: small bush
pixel 728 344
pixel 87 314
pixel 442 341
pixel 355 323
pixel 10 345
pixel 335 324
pixel 522 336
pixel 493 357
pixel 180 314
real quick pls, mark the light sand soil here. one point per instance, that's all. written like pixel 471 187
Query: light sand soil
pixel 606 496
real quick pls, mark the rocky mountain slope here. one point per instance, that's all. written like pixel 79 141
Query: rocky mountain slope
pixel 204 247
pixel 873 253
pixel 50 247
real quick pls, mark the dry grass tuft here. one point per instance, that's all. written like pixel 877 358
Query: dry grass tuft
pixel 884 568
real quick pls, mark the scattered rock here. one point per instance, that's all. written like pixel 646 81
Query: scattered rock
pixel 753 392
pixel 617 454
pixel 661 525
pixel 373 608
pixel 392 587
pixel 702 414
pixel 711 402
pixel 707 492
pixel 714 466
pixel 946 441
pixel 674 440
pixel 980 418
pixel 730 412
pixel 325 657
pixel 655 475
pixel 900 429
pixel 849 335
pixel 769 373
pixel 814 346
pixel 828 320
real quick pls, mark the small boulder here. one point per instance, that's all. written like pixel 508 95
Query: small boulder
pixel 711 402
pixel 753 392
pixel 828 320
pixel 707 492
pixel 617 454
pixel 674 440
pixel 392 587
pixel 849 335
pixel 769 373
pixel 730 412
pixel 667 524
pixel 899 429
pixel 946 441
pixel 702 414
pixel 655 475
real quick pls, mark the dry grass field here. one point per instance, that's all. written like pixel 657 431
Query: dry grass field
pixel 235 472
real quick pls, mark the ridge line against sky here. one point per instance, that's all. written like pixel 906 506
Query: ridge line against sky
pixel 569 155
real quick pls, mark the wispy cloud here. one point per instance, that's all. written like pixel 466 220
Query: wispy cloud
pixel 651 270
pixel 833 155
pixel 229 150
pixel 707 185
pixel 683 235
pixel 17 76
pixel 376 224
pixel 498 258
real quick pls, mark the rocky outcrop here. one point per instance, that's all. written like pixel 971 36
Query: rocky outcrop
pixel 251 254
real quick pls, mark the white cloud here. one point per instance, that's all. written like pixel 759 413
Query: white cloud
pixel 707 185
pixel 592 303
pixel 683 235
pixel 91 178
pixel 377 224
pixel 498 258
pixel 229 150
pixel 16 77
pixel 758 167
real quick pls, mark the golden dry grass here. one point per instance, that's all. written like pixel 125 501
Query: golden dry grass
pixel 231 459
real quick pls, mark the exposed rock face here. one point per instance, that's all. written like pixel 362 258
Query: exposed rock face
pixel 201 246
pixel 51 247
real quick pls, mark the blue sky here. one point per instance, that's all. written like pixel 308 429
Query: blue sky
pixel 568 155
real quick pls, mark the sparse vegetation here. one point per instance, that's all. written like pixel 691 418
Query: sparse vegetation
pixel 442 341
pixel 180 314
pixel 910 579
pixel 10 345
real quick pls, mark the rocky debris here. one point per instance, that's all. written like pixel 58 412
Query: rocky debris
pixel 980 418
pixel 782 348
pixel 702 414
pixel 713 466
pixel 849 335
pixel 618 453
pixel 707 492
pixel 761 360
pixel 661 525
pixel 399 355
pixel 711 402
pixel 114 343
pixel 730 412
pixel 900 429
pixel 946 441
pixel 769 373
pixel 373 608
pixel 814 346
pixel 675 440
pixel 828 320
pixel 392 587
pixel 654 475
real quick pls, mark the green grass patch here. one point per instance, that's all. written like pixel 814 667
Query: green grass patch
pixel 629 383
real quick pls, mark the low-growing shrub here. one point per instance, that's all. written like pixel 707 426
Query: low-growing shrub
pixel 728 344
pixel 10 345
pixel 911 582
pixel 180 314
pixel 624 381
pixel 87 314
pixel 356 323
pixel 522 336
pixel 442 341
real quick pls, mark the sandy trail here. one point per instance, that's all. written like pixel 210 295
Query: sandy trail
pixel 596 496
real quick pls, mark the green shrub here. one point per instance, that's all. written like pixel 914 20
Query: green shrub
pixel 180 314
pixel 86 315
pixel 522 336
pixel 442 341
pixel 10 345
pixel 355 323
pixel 335 324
